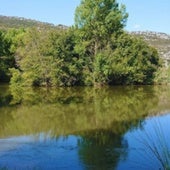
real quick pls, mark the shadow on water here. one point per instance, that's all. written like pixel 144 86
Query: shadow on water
pixel 97 119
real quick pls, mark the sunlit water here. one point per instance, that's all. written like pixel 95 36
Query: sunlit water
pixel 85 128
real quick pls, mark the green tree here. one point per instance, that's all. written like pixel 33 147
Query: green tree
pixel 47 58
pixel 133 61
pixel 68 70
pixel 111 56
pixel 97 20
pixel 33 59
pixel 6 57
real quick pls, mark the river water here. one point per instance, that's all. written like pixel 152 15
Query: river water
pixel 120 128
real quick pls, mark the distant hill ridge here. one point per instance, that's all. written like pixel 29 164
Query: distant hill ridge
pixel 18 22
pixel 151 34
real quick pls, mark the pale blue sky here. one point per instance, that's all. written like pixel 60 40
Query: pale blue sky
pixel 151 15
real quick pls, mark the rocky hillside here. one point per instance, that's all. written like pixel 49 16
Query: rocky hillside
pixel 160 41
pixel 18 22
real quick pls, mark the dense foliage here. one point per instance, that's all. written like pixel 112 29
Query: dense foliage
pixel 95 51
pixel 6 57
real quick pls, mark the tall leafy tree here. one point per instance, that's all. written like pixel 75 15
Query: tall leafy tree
pixel 97 20
pixel 111 56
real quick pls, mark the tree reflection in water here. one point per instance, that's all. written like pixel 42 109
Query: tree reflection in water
pixel 99 118
pixel 101 149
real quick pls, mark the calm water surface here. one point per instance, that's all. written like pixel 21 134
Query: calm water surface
pixel 85 128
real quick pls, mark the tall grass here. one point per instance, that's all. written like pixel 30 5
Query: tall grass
pixel 154 141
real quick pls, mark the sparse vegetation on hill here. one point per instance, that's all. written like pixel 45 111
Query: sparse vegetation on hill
pixel 7 22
